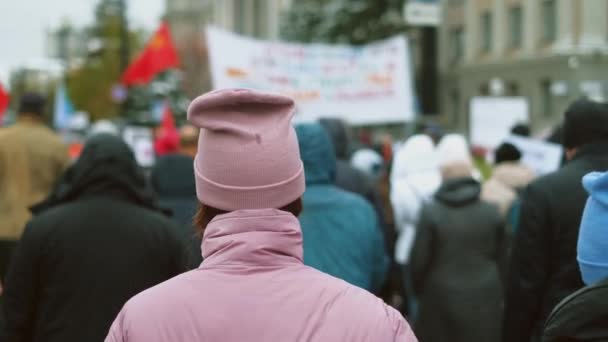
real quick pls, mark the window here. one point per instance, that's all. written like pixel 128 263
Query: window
pixel 239 16
pixel 512 89
pixel 457 44
pixel 486 32
pixel 515 26
pixel 549 21
pixel 261 21
pixel 455 104
pixel 546 103
pixel 456 2
pixel 484 89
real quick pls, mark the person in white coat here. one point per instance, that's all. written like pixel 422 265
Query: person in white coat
pixel 415 177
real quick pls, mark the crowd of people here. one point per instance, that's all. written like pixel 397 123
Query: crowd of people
pixel 250 228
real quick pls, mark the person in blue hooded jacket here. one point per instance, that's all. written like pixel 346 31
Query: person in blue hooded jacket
pixel 341 234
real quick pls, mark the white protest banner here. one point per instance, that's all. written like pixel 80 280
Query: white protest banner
pixel 140 140
pixel 369 84
pixel 541 156
pixel 491 119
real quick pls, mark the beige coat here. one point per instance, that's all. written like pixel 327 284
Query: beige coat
pixel 32 157
pixel 507 178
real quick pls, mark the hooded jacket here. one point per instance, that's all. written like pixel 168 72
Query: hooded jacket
pixel 349 178
pixel 97 240
pixel 172 179
pixel 456 266
pixel 341 234
pixel 253 286
pixel 414 179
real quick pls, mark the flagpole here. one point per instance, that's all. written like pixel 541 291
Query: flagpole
pixel 124 46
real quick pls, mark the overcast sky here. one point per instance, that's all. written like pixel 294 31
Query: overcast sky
pixel 23 24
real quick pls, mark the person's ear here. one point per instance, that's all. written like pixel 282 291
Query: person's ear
pixel 570 153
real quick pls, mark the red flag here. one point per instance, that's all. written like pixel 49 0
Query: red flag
pixel 4 100
pixel 158 55
pixel 167 140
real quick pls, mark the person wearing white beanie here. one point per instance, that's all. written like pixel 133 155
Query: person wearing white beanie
pixel 414 179
pixel 454 157
pixel 456 256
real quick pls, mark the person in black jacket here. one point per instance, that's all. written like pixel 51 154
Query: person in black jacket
pixel 543 266
pixel 457 254
pixel 95 242
pixel 583 316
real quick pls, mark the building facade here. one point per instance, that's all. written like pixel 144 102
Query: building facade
pixel 188 19
pixel 549 51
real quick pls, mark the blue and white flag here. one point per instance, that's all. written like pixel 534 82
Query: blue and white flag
pixel 64 109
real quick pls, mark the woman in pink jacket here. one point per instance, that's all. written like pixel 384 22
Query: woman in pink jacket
pixel 252 284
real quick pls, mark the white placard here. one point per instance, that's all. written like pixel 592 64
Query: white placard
pixel 363 85
pixel 423 13
pixel 541 156
pixel 491 119
pixel 140 139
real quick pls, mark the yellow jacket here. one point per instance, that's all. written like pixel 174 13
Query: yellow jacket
pixel 32 158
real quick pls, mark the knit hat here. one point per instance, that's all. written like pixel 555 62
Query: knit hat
pixel 367 161
pixel 248 155
pixel 521 130
pixel 506 152
pixel 585 122
pixel 593 236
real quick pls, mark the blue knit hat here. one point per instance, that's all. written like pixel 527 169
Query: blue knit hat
pixel 593 236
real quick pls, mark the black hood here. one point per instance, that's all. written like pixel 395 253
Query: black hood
pixel 340 136
pixel 458 192
pixel 106 166
pixel 581 316
pixel 173 177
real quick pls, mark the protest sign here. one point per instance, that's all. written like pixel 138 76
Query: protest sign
pixel 140 139
pixel 367 84
pixel 491 119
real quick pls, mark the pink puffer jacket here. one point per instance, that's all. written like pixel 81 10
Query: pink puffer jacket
pixel 253 286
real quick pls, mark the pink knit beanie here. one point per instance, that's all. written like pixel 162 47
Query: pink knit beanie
pixel 248 155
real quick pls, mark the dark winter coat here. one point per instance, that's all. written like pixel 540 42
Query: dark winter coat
pixel 543 266
pixel 582 316
pixel 172 179
pixel 455 263
pixel 340 229
pixel 98 240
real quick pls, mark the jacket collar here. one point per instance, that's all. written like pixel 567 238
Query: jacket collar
pixel 262 237
pixel 592 150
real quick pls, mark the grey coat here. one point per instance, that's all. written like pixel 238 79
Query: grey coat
pixel 456 266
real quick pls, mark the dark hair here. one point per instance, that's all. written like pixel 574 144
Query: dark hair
pixel 206 213
pixel 521 130
pixel 506 152
pixel 585 122
pixel 32 103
